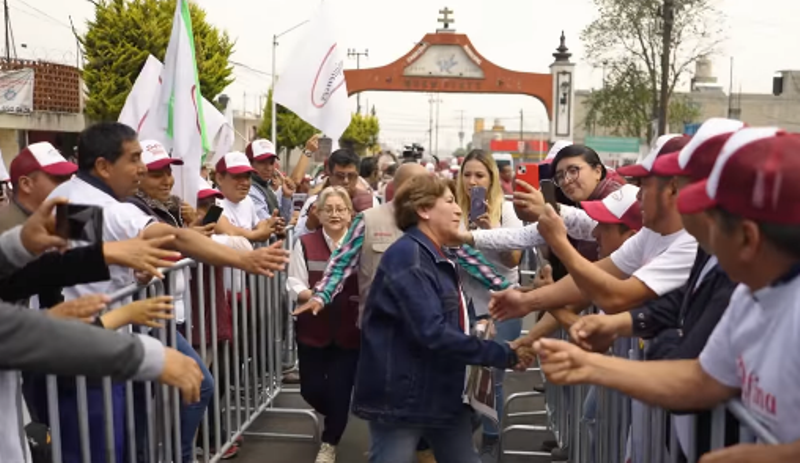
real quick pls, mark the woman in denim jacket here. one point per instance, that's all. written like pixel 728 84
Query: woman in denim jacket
pixel 415 342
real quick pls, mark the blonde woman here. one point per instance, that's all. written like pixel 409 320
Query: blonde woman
pixel 480 170
pixel 328 342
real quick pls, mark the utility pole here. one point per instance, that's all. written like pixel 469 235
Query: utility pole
pixel 437 124
pixel 352 53
pixel 430 124
pixel 461 133
pixel 7 19
pixel 521 145
pixel 668 17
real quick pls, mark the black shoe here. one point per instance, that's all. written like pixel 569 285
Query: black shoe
pixel 560 454
pixel 549 445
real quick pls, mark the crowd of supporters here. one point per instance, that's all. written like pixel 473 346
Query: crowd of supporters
pixel 694 249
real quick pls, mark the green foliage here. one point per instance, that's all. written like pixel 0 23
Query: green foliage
pixel 293 132
pixel 624 106
pixel 459 152
pixel 362 134
pixel 121 36
pixel 626 40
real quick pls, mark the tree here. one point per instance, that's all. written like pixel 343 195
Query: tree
pixel 459 152
pixel 293 132
pixel 626 39
pixel 362 134
pixel 121 36
pixel 624 106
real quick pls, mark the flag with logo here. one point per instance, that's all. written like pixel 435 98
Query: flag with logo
pixel 177 108
pixel 313 85
pixel 219 127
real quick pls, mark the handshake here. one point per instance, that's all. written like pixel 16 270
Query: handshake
pixel 526 356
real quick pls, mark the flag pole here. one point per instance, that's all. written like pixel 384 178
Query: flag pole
pixel 274 106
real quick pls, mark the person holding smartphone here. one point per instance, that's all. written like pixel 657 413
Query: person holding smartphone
pixel 480 196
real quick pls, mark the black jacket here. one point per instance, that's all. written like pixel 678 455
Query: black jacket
pixel 52 271
pixel 681 322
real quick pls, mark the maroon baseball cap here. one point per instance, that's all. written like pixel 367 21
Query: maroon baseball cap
pixel 756 176
pixel 697 158
pixel 234 163
pixel 621 206
pixel 260 149
pixel 156 157
pixel 664 145
pixel 206 191
pixel 43 157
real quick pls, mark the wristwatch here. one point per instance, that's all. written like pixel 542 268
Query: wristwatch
pixel 308 153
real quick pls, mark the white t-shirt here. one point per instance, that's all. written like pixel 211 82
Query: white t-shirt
pixel 121 221
pixel 751 348
pixel 242 214
pixel 476 291
pixel 663 263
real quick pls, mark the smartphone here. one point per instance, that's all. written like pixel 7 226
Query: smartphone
pixel 477 203
pixel 549 193
pixel 78 222
pixel 324 149
pixel 528 173
pixel 213 215
pixel 298 201
pixel 545 171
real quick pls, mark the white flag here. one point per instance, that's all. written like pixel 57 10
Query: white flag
pixel 177 107
pixel 313 85
pixel 219 127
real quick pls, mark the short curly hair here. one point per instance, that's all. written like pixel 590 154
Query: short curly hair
pixel 420 192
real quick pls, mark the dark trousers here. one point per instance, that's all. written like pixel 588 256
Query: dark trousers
pixel 326 383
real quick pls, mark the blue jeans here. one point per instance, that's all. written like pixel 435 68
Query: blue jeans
pixel 507 331
pixel 398 444
pixel 191 415
pixel 70 437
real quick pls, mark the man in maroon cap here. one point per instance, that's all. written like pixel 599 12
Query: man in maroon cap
pixel 35 173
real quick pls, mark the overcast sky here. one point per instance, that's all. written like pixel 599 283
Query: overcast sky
pixel 517 34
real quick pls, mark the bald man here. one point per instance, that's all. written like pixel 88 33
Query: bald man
pixel 370 235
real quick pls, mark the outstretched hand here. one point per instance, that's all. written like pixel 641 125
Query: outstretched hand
pixel 508 304
pixel 563 363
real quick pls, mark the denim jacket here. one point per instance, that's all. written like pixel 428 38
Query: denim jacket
pixel 414 353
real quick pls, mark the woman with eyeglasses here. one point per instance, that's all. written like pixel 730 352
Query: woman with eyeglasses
pixel 328 342
pixel 480 171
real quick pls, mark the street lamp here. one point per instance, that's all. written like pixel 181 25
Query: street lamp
pixel 275 78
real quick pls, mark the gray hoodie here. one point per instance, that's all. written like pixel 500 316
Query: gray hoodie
pixel 31 341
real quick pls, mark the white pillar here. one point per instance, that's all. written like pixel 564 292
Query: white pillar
pixel 562 118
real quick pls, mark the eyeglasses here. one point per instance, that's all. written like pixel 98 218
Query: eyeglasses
pixel 567 175
pixel 330 211
pixel 346 177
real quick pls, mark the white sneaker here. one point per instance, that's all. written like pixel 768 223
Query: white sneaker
pixel 327 454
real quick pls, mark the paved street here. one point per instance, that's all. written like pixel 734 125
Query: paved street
pixel 354 445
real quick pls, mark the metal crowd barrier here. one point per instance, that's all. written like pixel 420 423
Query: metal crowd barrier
pixel 622 429
pixel 247 372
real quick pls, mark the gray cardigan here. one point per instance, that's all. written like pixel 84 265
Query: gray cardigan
pixel 31 341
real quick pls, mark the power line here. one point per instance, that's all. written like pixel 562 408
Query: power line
pixel 250 68
pixel 57 21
